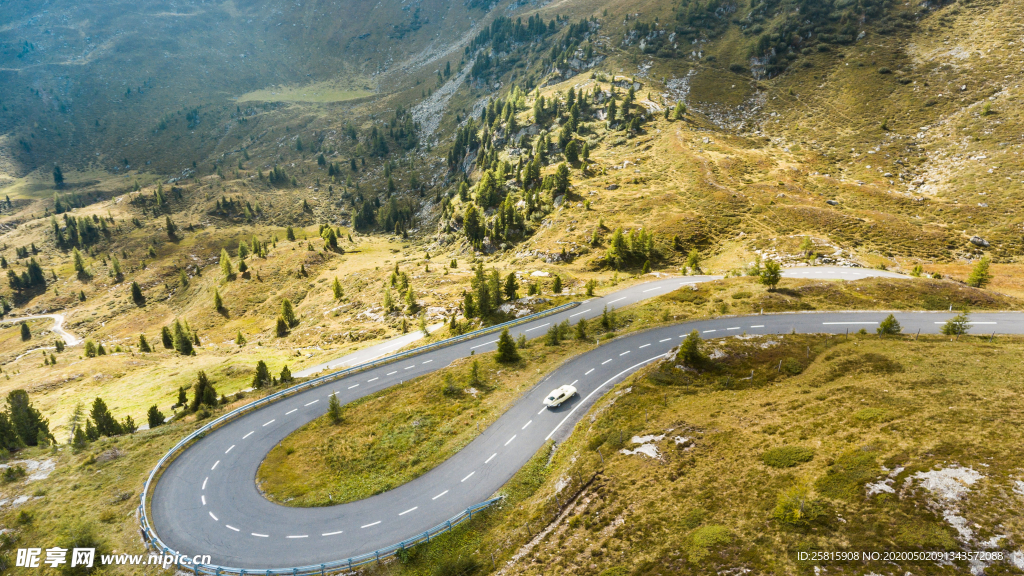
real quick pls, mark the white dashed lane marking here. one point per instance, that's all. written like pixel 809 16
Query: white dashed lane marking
pixel 578 313
pixel 706 331
pixel 271 422
pixel 203 498
pixel 390 373
pixel 407 511
pixel 409 367
pixel 614 301
pixel 484 344
pixel 537 327
pixel 588 371
pixel 645 346
pixel 758 326
pixel 606 361
pixel 371 524
pixel 229 449
pixel 290 411
pixel 488 461
pixel 230 527
pixel 353 386
pixel 260 535
pixel 624 353
pixel 468 475
pixel 510 440
pixel 204 482
pixel 298 536
pixel 313 402
pixel 428 361
pixel 215 465
pixel 439 495
pixel 331 533
pixel 969 322
pixel 542 410
pixel 372 379
pixel 527 424
pixel 214 517
pixel 253 432
pixel 734 328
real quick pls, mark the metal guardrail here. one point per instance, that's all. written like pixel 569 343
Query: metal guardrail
pixel 153 540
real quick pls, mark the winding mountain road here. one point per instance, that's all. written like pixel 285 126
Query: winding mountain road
pixel 206 501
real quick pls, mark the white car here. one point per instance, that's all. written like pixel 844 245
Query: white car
pixel 559 395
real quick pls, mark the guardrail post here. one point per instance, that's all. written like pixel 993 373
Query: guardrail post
pixel 449 525
pixel 470 512
pixel 350 564
pixel 195 569
pixel 428 536
pixel 377 554
pixel 322 570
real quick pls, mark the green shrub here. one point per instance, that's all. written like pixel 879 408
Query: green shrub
pixel 792 366
pixel 795 507
pixel 845 478
pixel 787 456
pixel 741 295
pixel 703 539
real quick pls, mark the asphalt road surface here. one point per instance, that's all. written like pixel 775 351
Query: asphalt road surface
pixel 206 502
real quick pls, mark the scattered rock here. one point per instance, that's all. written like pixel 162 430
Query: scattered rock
pixel 979 241
pixel 831 202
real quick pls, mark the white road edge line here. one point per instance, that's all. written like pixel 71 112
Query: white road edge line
pixel 607 382
pixel 371 524
pixel 510 440
pixel 439 495
pixel 468 475
pixel 488 461
pixel 407 511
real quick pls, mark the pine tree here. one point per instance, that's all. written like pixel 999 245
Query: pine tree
pixel 155 417
pixel 411 307
pixel 980 276
pixel 105 423
pixel 511 286
pixel 556 287
pixel 262 377
pixel 239 339
pixel 218 302
pixel 507 352
pixel 182 398
pixel 225 264
pixel 691 351
pixel 957 325
pixel 26 332
pixel 693 261
pixel 288 313
pixel 290 234
pixel 389 304
pixel 889 327
pixel 203 392
pixel 172 230
pixel 336 288
pixel 771 274
pixel 182 342
pixel 552 338
pixel 137 296
pixel 334 410
pixel 286 375
pixel 79 262
pixel 143 344
pixel 282 327
pixel 581 329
